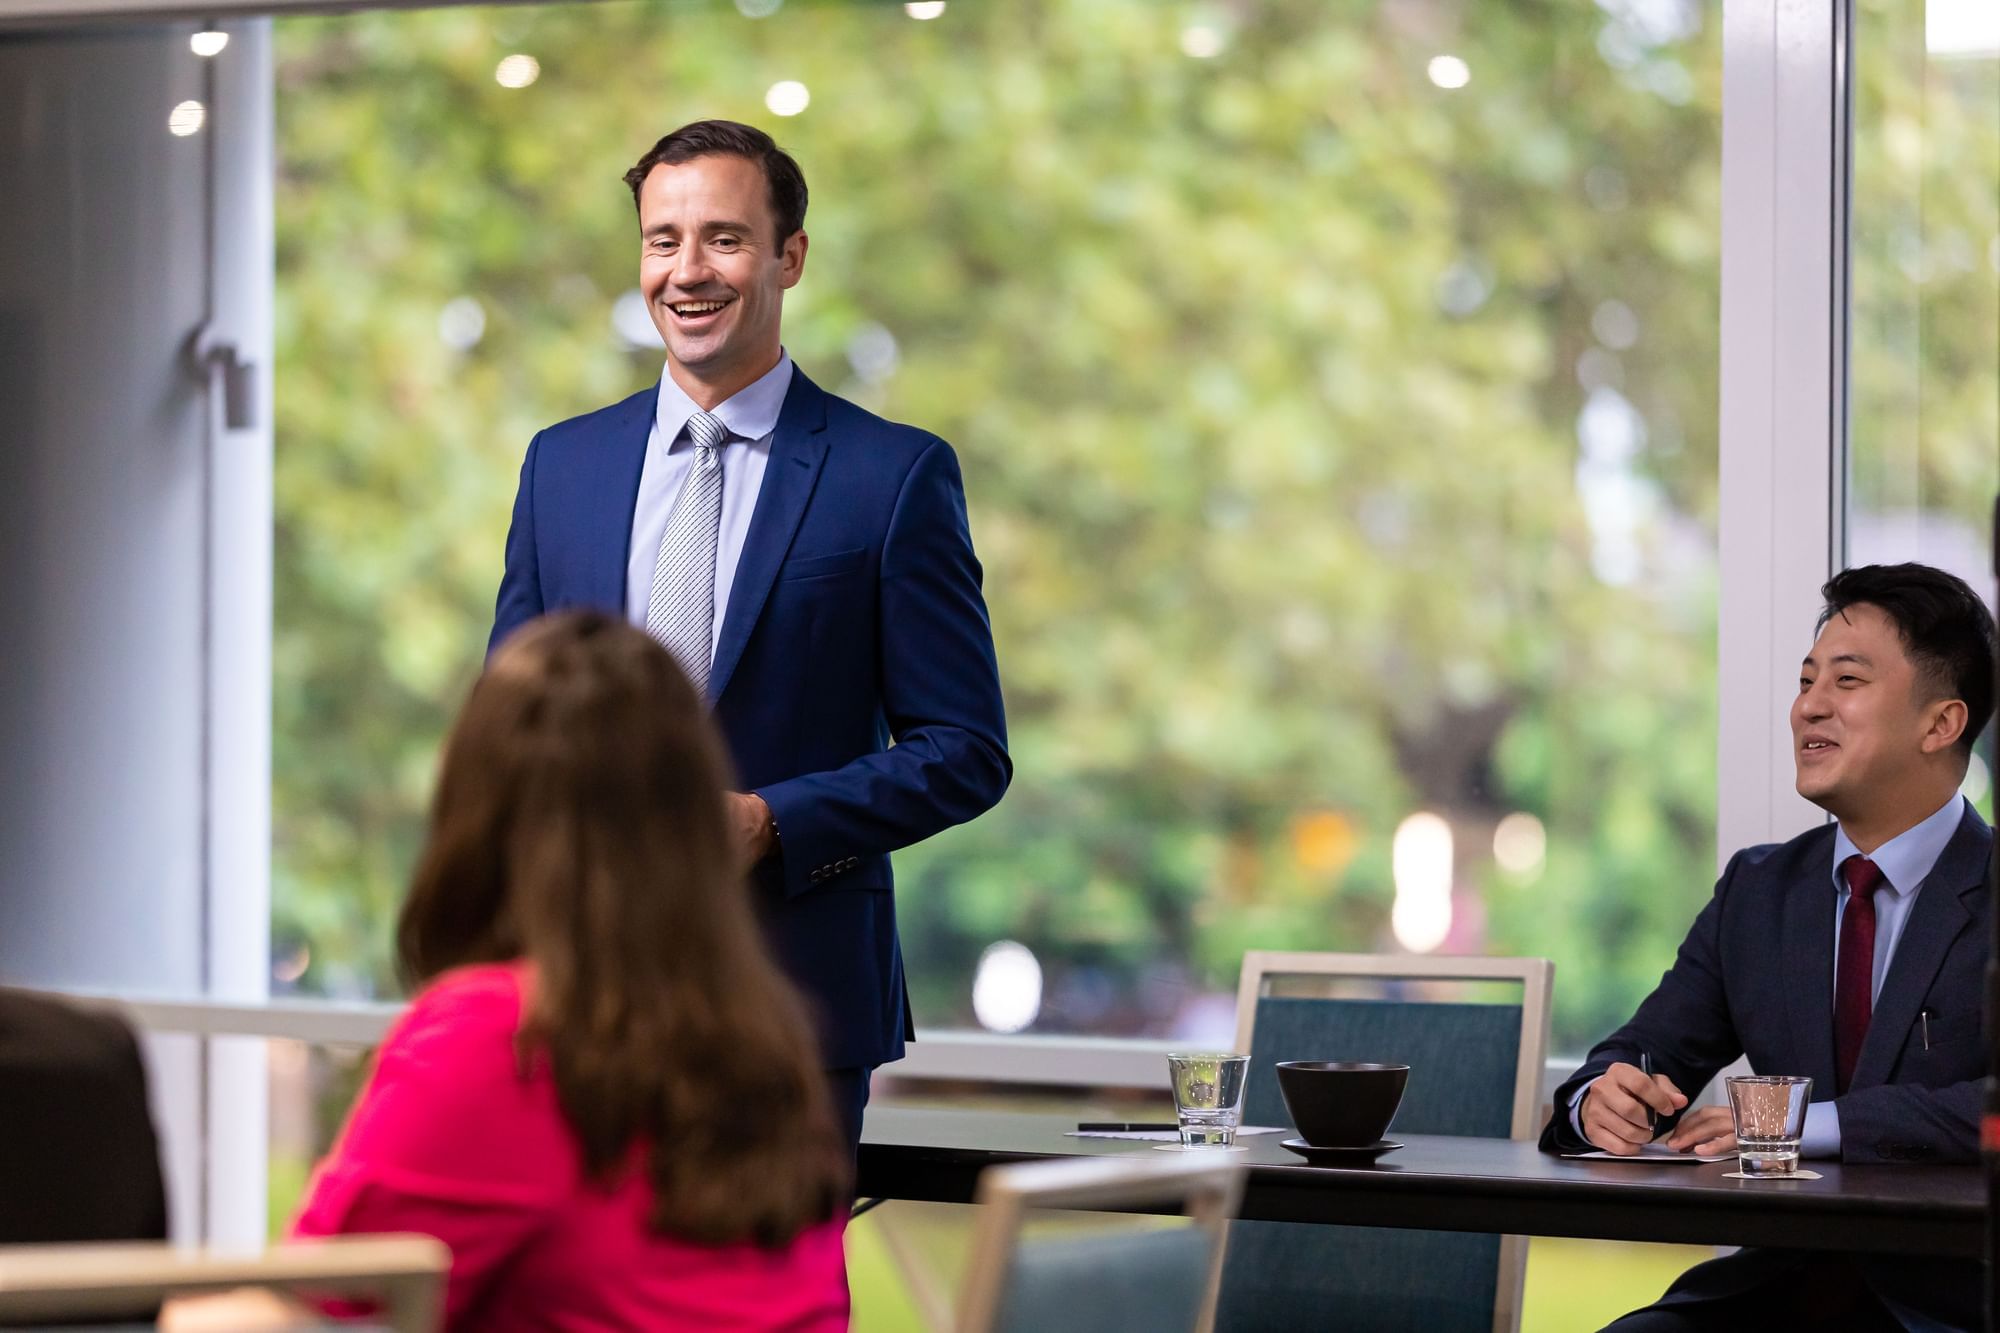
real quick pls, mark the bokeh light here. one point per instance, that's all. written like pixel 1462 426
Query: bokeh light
pixel 1520 844
pixel 1007 987
pixel 787 97
pixel 186 119
pixel 1449 72
pixel 517 70
pixel 1420 859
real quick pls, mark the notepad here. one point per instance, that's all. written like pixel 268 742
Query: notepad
pixel 1656 1151
pixel 1160 1135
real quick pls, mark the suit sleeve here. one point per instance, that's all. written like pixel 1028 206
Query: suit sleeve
pixel 940 688
pixel 1905 1122
pixel 1685 1025
pixel 520 598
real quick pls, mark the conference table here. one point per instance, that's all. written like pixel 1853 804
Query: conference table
pixel 1489 1185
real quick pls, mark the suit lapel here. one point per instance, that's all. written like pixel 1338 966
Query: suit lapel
pixel 1808 951
pixel 798 448
pixel 614 470
pixel 1939 915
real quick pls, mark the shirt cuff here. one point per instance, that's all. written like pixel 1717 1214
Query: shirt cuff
pixel 1576 1104
pixel 1822 1132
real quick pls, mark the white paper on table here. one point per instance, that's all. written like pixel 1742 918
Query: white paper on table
pixel 1656 1151
pixel 1162 1135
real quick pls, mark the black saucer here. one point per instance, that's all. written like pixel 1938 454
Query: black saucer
pixel 1339 1156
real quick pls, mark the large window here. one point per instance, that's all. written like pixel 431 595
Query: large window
pixel 1925 433
pixel 1336 389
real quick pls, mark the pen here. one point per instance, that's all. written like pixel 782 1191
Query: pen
pixel 1924 1017
pixel 1646 1068
pixel 1122 1127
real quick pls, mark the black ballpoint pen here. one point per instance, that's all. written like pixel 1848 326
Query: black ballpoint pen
pixel 1122 1127
pixel 1652 1116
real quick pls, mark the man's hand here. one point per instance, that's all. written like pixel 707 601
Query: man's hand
pixel 1614 1111
pixel 1709 1131
pixel 751 826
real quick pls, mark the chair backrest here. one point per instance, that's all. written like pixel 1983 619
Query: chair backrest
pixel 1474 1032
pixel 404 1273
pixel 1475 1067
pixel 1149 1278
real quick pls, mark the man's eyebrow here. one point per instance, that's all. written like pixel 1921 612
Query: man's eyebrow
pixel 1855 658
pixel 707 228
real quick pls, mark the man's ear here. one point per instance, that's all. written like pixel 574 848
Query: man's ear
pixel 1947 719
pixel 792 260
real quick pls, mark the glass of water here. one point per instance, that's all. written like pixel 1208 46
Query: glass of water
pixel 1770 1115
pixel 1208 1096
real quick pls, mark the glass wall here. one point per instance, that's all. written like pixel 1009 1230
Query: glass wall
pixel 1336 392
pixel 1924 456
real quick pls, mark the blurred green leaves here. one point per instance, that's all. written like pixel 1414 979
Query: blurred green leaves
pixel 1266 372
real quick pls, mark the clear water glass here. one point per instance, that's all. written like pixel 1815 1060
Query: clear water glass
pixel 1208 1096
pixel 1770 1115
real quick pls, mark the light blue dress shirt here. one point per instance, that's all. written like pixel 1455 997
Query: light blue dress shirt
pixel 1905 862
pixel 751 414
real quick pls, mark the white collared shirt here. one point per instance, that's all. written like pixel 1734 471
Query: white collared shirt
pixel 751 414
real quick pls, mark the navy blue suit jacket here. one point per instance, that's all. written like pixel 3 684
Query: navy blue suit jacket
pixel 855 620
pixel 1755 977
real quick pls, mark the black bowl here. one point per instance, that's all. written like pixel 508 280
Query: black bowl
pixel 1340 1103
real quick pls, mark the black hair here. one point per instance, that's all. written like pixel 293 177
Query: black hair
pixel 1945 627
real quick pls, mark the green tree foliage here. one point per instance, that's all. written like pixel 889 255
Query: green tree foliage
pixel 1926 322
pixel 1338 445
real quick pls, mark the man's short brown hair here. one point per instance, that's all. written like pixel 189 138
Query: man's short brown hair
pixel 727 138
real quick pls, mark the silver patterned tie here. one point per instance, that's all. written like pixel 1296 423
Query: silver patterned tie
pixel 680 613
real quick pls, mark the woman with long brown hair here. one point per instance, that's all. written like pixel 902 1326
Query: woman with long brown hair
pixel 605 1098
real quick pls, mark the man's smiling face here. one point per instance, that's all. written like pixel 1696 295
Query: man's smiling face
pixel 1860 719
pixel 714 273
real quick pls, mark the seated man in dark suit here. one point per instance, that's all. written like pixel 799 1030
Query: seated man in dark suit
pixel 78 1157
pixel 1852 953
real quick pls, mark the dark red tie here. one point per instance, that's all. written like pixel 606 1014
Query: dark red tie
pixel 1854 974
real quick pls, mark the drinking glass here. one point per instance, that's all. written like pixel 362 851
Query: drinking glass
pixel 1208 1096
pixel 1770 1115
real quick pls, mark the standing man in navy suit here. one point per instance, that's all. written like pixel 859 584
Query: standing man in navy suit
pixel 809 565
pixel 1853 954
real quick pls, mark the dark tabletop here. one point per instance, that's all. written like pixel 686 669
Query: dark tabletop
pixel 1463 1184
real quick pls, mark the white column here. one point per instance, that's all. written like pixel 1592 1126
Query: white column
pixel 237 655
pixel 135 532
pixel 1783 383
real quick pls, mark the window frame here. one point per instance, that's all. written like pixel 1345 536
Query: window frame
pixel 1782 447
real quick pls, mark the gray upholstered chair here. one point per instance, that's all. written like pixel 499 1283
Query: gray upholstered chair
pixel 1159 1279
pixel 1474 1032
pixel 405 1274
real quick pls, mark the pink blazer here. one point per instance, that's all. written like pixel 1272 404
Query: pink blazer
pixel 448 1139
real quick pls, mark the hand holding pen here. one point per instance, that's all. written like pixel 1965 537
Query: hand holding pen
pixel 1621 1112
